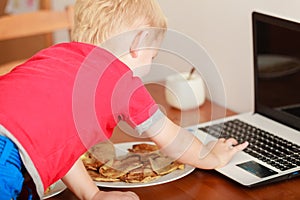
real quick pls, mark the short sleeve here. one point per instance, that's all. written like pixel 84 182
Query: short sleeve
pixel 131 101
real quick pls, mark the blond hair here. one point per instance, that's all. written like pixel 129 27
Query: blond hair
pixel 98 20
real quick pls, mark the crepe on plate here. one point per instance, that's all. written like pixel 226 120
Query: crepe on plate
pixel 143 163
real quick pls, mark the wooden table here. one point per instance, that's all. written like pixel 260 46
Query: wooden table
pixel 200 184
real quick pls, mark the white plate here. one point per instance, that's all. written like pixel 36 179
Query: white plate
pixel 121 149
pixel 58 188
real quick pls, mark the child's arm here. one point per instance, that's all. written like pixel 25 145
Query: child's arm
pixel 81 184
pixel 184 146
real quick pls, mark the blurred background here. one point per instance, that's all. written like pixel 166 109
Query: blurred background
pixel 223 28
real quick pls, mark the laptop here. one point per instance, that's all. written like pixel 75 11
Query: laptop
pixel 272 129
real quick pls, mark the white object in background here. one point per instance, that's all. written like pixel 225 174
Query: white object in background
pixel 185 94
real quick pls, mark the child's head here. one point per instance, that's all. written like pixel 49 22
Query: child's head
pixel 125 27
pixel 99 20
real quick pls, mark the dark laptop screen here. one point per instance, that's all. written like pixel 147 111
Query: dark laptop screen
pixel 277 68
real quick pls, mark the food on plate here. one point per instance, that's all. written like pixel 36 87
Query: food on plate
pixel 143 163
pixel 98 155
pixel 143 148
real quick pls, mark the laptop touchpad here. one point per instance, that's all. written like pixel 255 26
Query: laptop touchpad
pixel 256 169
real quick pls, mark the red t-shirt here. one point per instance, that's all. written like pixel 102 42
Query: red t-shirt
pixel 67 98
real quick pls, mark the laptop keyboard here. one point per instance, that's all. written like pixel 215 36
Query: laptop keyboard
pixel 263 145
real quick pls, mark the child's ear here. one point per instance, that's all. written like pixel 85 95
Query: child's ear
pixel 137 42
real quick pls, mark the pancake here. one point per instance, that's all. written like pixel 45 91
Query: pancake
pixel 142 164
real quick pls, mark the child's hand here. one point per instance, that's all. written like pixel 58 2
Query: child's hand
pixel 224 149
pixel 115 195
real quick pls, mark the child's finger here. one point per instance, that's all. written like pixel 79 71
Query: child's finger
pixel 241 147
pixel 231 141
pixel 222 139
pixel 130 196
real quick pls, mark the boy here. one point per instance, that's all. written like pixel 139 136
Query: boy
pixel 69 97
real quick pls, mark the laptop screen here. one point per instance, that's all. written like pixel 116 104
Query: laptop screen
pixel 277 68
